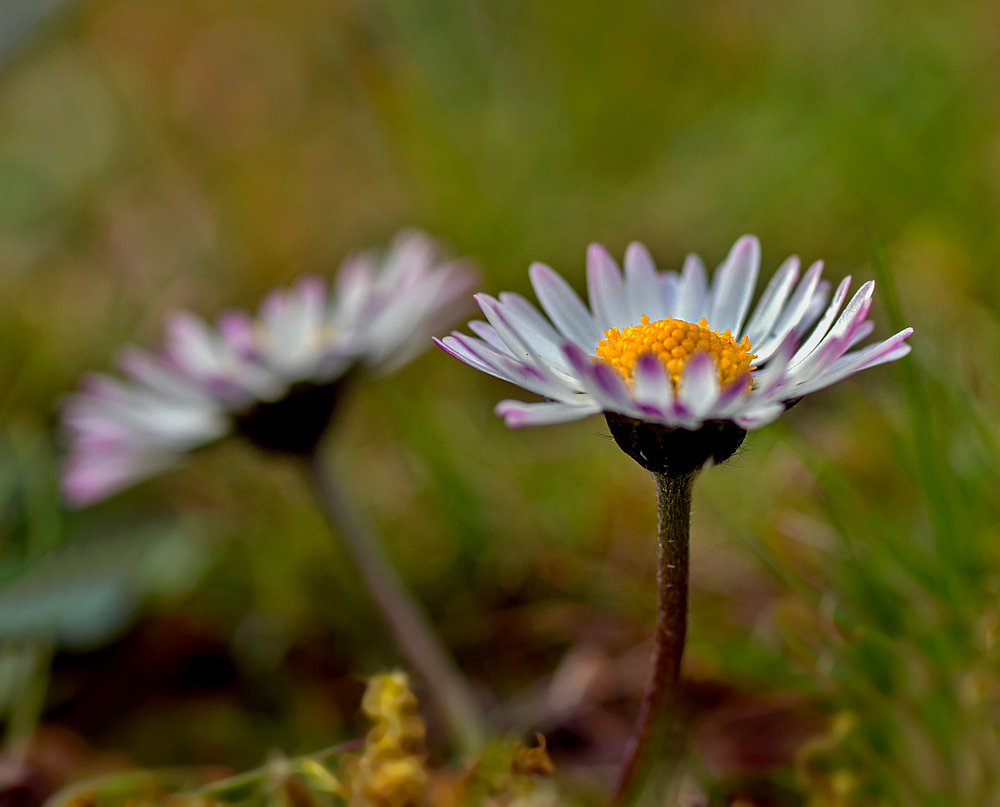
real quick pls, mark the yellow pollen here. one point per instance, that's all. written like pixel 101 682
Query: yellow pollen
pixel 674 341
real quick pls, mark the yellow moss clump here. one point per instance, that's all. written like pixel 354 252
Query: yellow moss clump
pixel 391 770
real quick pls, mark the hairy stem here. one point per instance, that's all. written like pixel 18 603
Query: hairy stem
pixel 410 627
pixel 673 496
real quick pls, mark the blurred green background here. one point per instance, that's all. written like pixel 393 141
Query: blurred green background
pixel 195 153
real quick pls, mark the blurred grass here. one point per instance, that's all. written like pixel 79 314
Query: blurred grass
pixel 196 153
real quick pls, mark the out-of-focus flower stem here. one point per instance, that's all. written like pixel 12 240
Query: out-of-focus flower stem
pixel 659 702
pixel 405 618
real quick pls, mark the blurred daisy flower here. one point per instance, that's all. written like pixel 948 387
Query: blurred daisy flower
pixel 274 377
pixel 673 350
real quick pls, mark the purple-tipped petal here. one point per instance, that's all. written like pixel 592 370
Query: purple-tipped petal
pixel 500 365
pixel 612 386
pixel 465 349
pixel 517 414
pixel 816 307
pixel 598 379
pixel 272 307
pixel 581 362
pixel 311 291
pixel 105 387
pixel 698 389
pixel 236 329
pixel 88 478
pixel 651 384
pixel 731 398
pixel 353 289
pixel 759 416
pixel 190 345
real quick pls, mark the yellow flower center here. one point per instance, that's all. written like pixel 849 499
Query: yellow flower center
pixel 675 341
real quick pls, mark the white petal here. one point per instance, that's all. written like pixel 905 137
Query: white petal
pixel 771 301
pixel 564 307
pixel 642 287
pixel 534 328
pixel 759 416
pixel 605 289
pixel 353 287
pixel 734 284
pixel 803 299
pixel 486 332
pixel 692 291
pixel 295 344
pixel 669 283
pixel 410 258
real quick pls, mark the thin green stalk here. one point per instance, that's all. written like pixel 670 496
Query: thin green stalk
pixel 176 782
pixel 237 783
pixel 659 703
pixel 406 620
pixel 34 658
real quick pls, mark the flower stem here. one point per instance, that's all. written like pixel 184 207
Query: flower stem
pixel 448 690
pixel 673 498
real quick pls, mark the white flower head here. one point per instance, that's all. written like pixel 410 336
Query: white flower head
pixel 673 349
pixel 273 377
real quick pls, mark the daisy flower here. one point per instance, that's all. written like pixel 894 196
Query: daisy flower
pixel 673 350
pixel 274 377
pixel 681 368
